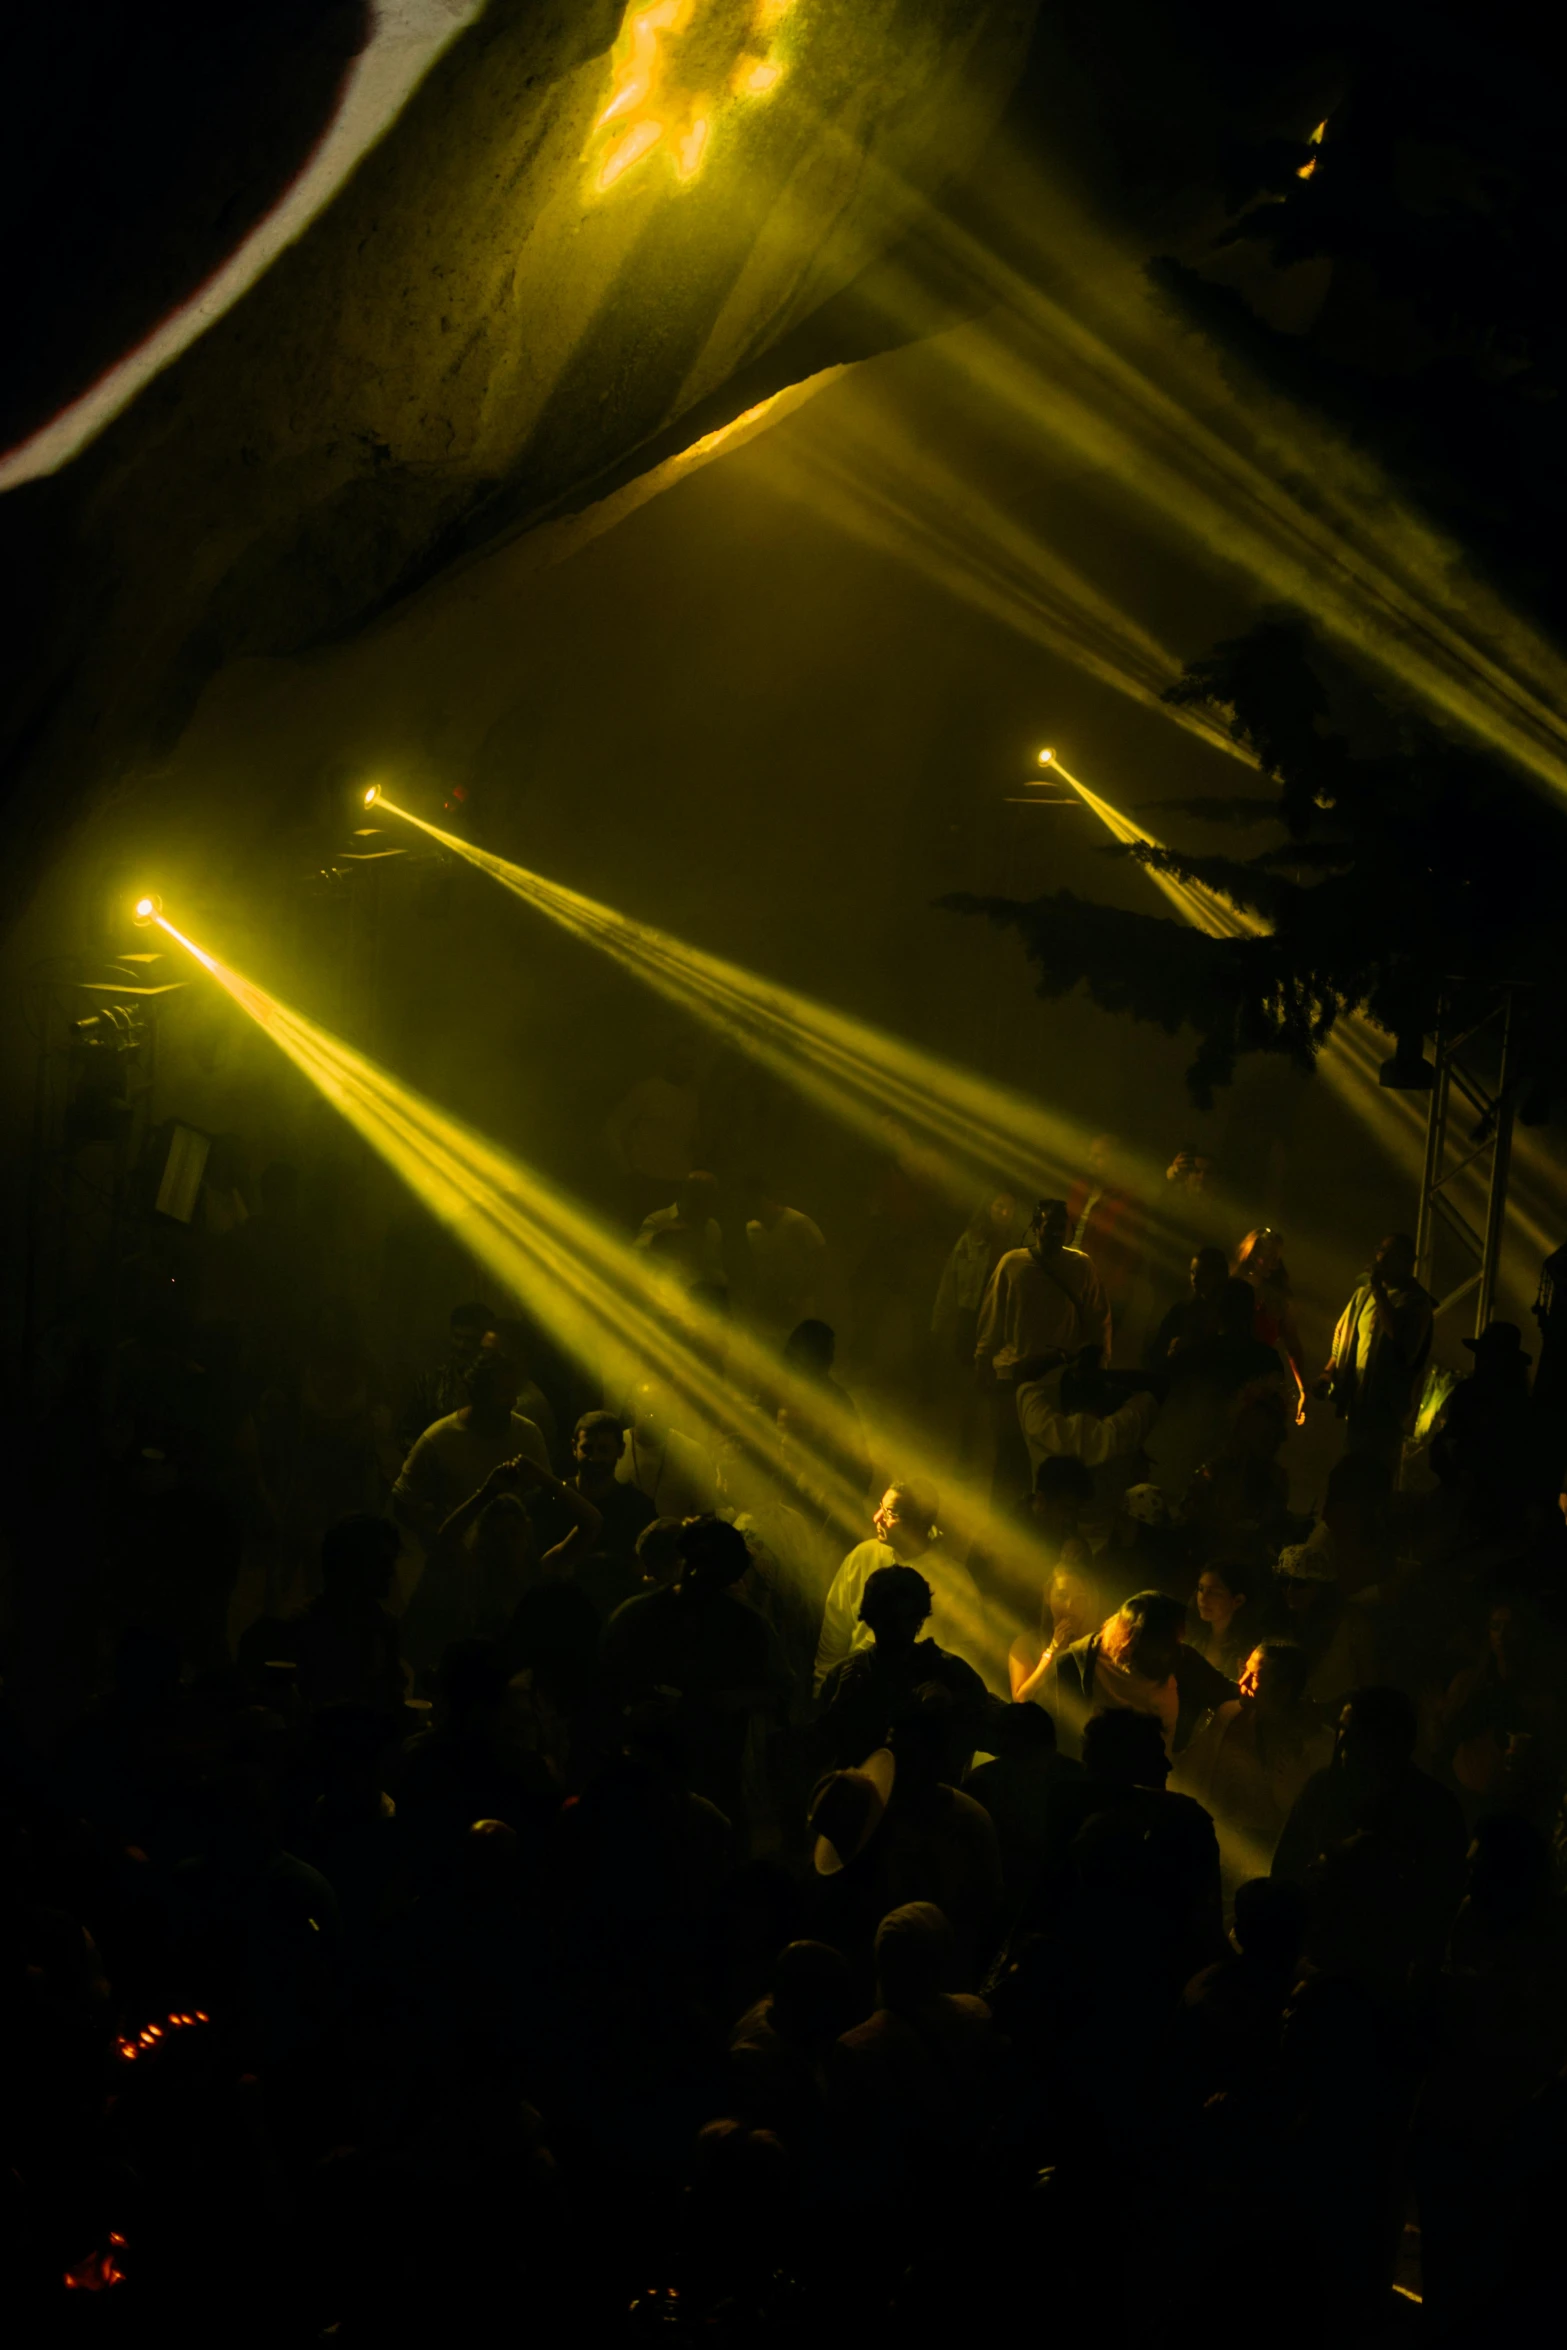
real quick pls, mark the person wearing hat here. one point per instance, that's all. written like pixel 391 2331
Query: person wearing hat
pixel 1485 1438
pixel 1380 1349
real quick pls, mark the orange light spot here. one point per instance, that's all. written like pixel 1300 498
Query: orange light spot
pixel 688 154
pixel 752 80
pixel 629 150
pixel 641 68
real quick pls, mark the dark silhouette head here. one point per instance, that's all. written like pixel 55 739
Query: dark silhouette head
pixel 1063 1488
pixel 492 1383
pixel 1270 1920
pixel 811 1348
pixel 1395 1259
pixel 1210 1270
pixel 713 1555
pixel 1048 1227
pixel 1125 1749
pixel 1376 1733
pixel 597 1442
pixel 812 1994
pixel 895 1606
pixel 658 1549
pixel 359 1558
pixel 916 1956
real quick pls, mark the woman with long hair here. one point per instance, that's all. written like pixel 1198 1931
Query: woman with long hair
pixel 1260 1261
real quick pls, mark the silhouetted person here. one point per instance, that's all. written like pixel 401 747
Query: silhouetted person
pixel 442 1389
pixel 715 1656
pixel 607 1568
pixel 346 1642
pixel 1233 2011
pixel 1160 1848
pixel 1194 1316
pixel 451 1461
pixel 1372 1786
pixel 864 1697
pixel 1043 1299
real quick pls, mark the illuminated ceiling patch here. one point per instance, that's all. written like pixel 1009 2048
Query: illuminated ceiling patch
pixel 676 65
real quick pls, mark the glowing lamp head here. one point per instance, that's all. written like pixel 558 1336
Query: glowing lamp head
pixel 370 794
pixel 1045 758
pixel 147 909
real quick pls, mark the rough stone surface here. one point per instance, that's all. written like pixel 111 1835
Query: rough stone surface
pixel 465 340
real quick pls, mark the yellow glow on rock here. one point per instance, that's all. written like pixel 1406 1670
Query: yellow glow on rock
pixel 669 59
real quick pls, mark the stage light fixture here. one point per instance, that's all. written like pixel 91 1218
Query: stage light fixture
pixel 369 796
pixel 146 910
pixel 1045 758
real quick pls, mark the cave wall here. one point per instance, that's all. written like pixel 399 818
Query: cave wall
pixel 473 332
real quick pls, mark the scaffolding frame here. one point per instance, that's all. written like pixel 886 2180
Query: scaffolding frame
pixel 1455 1072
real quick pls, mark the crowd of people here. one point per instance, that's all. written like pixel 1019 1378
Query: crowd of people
pixel 481 1842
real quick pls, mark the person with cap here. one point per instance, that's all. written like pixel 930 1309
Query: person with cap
pixel 1138 1660
pixel 905 1534
pixel 863 1697
pixel 1381 1345
pixel 1044 1299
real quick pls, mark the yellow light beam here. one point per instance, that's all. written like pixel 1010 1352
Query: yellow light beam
pixel 965 1131
pixel 609 1309
pixel 1267 489
pixel 606 1301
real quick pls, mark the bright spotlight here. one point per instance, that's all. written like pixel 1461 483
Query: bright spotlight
pixel 1045 758
pixel 370 794
pixel 147 909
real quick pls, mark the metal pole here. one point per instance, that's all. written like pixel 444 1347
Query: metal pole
pixel 1436 1136
pixel 1501 1160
